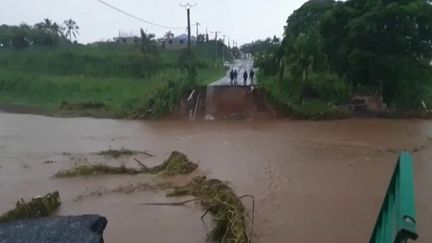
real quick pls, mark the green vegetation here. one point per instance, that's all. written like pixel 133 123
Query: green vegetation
pixel 176 164
pixel 219 199
pixel 36 208
pixel 99 169
pixel 113 153
pixel 332 50
pixel 63 78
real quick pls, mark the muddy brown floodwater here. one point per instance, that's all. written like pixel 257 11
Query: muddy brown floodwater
pixel 314 181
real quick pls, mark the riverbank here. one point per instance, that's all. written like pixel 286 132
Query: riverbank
pixel 78 96
pixel 285 97
pixel 113 82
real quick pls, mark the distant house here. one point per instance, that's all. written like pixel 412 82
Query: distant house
pixel 129 40
pixel 178 42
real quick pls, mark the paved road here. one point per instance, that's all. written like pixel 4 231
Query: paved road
pixel 241 65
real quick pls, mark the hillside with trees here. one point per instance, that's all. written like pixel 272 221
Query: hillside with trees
pixel 332 50
pixel 43 66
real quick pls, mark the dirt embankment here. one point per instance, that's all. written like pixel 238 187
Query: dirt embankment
pixel 225 103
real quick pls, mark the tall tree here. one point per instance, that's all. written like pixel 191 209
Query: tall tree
pixel 305 56
pixel 301 49
pixel 5 36
pixel 373 43
pixel 169 35
pixel 46 33
pixel 71 29
pixel 20 36
pixel 148 44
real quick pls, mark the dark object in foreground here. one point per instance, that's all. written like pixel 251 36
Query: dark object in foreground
pixel 397 218
pixel 83 229
pixel 36 208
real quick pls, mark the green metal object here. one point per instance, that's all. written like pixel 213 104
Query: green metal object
pixel 397 219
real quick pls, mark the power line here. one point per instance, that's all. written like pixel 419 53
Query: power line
pixel 137 18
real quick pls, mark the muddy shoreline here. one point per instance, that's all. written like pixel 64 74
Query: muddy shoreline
pixel 104 114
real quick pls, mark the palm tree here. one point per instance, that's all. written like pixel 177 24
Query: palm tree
pixel 169 35
pixel 47 32
pixel 305 52
pixel 71 29
pixel 148 44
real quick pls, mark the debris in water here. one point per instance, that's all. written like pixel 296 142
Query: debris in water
pixel 122 152
pixel 49 162
pixel 219 199
pixel 176 164
pixel 128 189
pixel 87 170
pixel 36 208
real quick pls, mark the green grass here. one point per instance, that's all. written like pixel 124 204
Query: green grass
pixel 286 96
pixel 210 75
pixel 118 77
pixel 48 91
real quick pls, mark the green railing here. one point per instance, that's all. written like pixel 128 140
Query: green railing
pixel 397 219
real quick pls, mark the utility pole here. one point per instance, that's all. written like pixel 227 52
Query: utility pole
pixel 197 32
pixel 215 56
pixel 223 50
pixel 188 6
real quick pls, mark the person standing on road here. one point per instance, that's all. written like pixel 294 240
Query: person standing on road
pixel 245 77
pixel 231 76
pixel 252 75
pixel 235 76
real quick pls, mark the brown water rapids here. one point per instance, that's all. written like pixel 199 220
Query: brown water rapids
pixel 313 181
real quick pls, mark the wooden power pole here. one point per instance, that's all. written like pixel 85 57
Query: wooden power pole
pixel 216 42
pixel 188 6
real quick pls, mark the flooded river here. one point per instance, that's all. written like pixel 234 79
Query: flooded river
pixel 314 181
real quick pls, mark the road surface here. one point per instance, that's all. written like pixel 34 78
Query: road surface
pixel 241 65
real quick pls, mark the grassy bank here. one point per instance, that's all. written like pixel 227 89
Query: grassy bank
pixel 120 78
pixel 285 96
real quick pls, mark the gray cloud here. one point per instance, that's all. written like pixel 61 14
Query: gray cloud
pixel 241 20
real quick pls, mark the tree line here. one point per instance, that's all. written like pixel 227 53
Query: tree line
pixel 45 33
pixel 332 49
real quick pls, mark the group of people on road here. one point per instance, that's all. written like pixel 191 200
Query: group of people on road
pixel 234 76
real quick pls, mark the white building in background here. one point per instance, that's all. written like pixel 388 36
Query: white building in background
pixel 178 42
pixel 129 40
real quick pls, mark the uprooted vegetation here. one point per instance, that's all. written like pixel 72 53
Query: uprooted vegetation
pixel 231 222
pixel 36 208
pixel 113 153
pixel 127 189
pixel 176 164
pixel 229 213
pixel 98 169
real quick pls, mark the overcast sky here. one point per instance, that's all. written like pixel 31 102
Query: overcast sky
pixel 241 20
